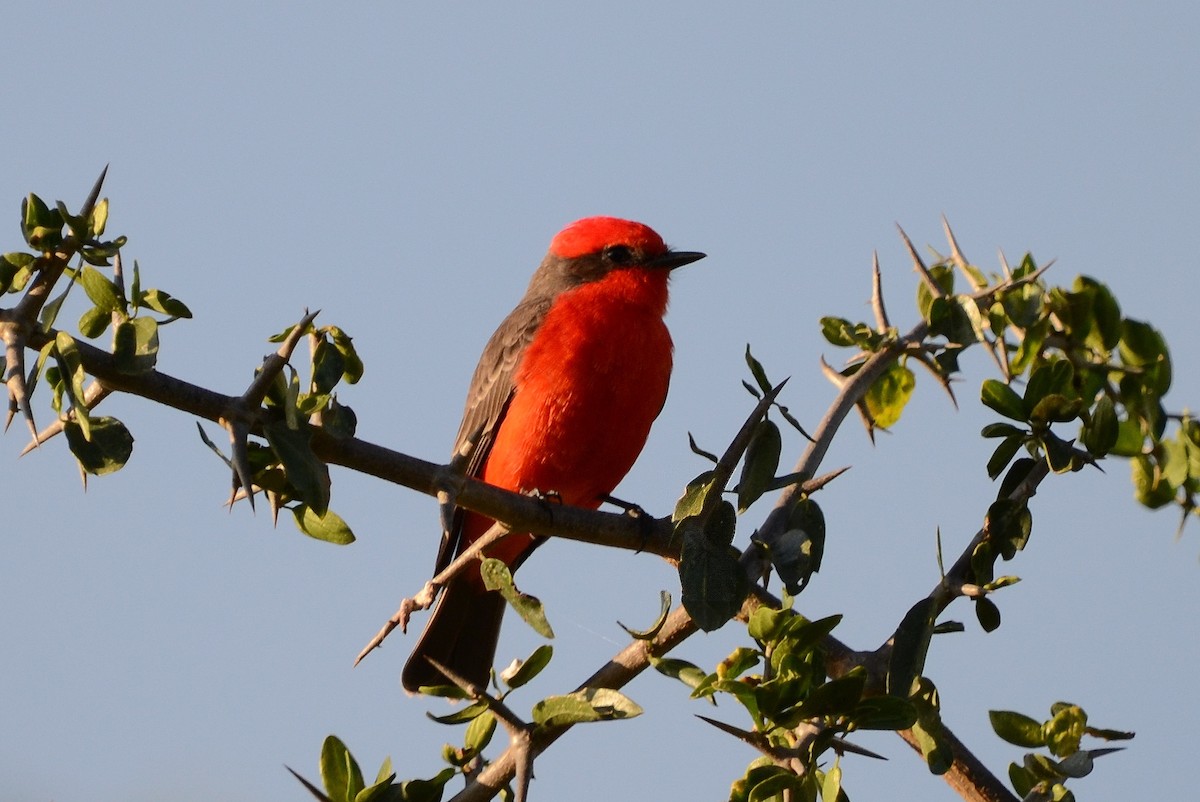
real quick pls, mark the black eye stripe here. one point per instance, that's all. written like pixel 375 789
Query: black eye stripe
pixel 618 254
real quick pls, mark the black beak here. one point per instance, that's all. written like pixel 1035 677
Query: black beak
pixel 673 259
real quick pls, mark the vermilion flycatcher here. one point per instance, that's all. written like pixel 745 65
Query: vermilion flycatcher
pixel 562 401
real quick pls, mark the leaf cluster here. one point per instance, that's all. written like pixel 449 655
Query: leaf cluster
pixel 1042 778
pixel 100 444
pixel 798 713
pixel 286 468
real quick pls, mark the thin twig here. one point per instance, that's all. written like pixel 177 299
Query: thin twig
pixel 425 597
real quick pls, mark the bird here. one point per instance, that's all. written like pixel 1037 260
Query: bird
pixel 560 404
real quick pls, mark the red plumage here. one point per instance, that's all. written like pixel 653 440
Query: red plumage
pixel 562 399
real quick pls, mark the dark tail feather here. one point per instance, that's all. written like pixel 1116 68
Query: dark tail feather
pixel 461 634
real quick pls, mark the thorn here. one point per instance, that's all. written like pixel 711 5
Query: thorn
pixel 239 433
pixel 312 789
pixel 919 266
pixel 1004 266
pixel 842 747
pixel 944 380
pixel 90 204
pixel 956 254
pixel 868 421
pixel 836 378
pixel 881 318
pixel 813 485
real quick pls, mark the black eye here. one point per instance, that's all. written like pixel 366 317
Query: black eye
pixel 618 255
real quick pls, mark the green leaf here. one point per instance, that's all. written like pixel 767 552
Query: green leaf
pixel 1004 453
pixel 135 286
pixel 93 322
pixel 385 773
pixel 339 771
pixel 352 364
pixel 756 370
pixel 988 614
pixel 943 277
pixel 1053 377
pixel 100 290
pixel 50 311
pixel 721 525
pixel 135 345
pixel 460 716
pixel 99 217
pixel 780 785
pixel 837 331
pixel 648 634
pixel 106 450
pixel 1109 735
pixel 885 713
pixel 1143 346
pixel 382 791
pixel 70 365
pixel 802 636
pixel 1076 765
pixel 937 751
pixel 1023 305
pixel 479 732
pixel 531 667
pixel 1002 430
pixel 694 495
pixel 929 732
pixel 760 464
pixel 689 674
pixel 41 225
pixel 1008 525
pixel 767 623
pixel 1149 488
pixel 838 697
pixel 1173 461
pixel 1101 429
pixel 712 580
pixel 1021 780
pixel 796 556
pixel 1106 313
pixel 163 302
pixel 15 270
pixel 739 661
pixel 328 527
pixel 307 474
pixel 998 396
pixel 831 783
pixel 697 450
pixel 1017 729
pixel 426 790
pixel 957 319
pixel 328 364
pixel 1055 408
pixel 910 647
pixel 444 692
pixel 588 704
pixel 1130 438
pixel 339 420
pixel 497 576
pixel 888 395
pixel 1065 730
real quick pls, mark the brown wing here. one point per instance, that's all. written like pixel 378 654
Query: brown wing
pixel 487 399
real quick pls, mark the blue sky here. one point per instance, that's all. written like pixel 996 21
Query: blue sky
pixel 403 170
